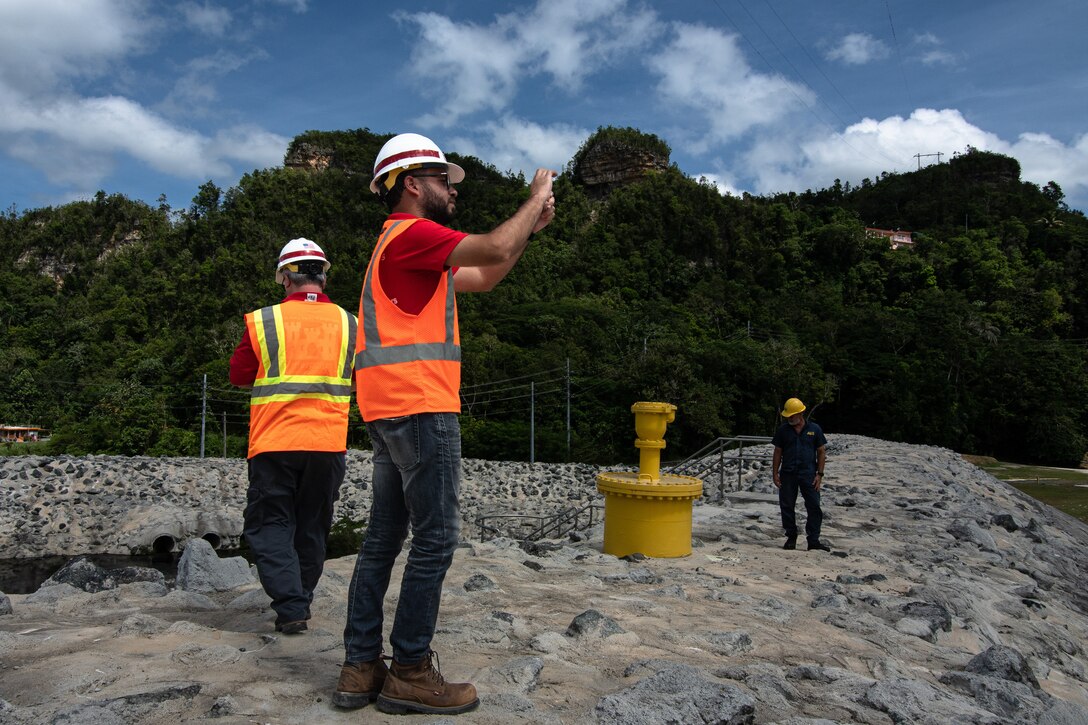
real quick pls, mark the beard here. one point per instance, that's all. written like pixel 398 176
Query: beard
pixel 436 207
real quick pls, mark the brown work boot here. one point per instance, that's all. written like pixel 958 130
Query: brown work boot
pixel 360 683
pixel 421 688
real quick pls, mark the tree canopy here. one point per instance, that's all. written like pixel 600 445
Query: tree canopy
pixel 112 312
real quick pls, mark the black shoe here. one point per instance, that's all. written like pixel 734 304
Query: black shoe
pixel 292 627
pixel 791 543
pixel 818 546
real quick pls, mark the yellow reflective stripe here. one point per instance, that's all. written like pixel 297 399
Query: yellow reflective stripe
pixel 338 399
pixel 281 349
pixel 320 379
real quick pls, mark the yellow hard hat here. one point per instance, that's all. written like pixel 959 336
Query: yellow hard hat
pixel 793 407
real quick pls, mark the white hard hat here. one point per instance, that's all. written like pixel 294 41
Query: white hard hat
pixel 299 250
pixel 407 150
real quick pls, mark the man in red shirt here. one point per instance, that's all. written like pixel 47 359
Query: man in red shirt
pixel 297 357
pixel 408 377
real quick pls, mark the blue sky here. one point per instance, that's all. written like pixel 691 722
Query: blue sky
pixel 148 98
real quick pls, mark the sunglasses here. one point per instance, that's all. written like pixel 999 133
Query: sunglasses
pixel 441 175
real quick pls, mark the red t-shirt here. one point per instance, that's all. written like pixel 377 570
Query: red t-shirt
pixel 415 261
pixel 244 363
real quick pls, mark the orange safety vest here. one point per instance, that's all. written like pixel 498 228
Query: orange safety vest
pixel 302 391
pixel 406 364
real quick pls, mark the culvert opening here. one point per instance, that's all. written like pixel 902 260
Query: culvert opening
pixel 163 544
pixel 213 539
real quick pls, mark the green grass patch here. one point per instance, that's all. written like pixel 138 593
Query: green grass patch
pixel 1066 489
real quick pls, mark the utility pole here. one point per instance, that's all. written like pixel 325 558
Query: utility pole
pixel 568 409
pixel 532 421
pixel 203 413
pixel 921 156
pixel 224 434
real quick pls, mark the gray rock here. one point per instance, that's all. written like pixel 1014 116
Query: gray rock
pixel 479 582
pixel 1014 701
pixel 1005 663
pixel 5 604
pixel 84 574
pixel 521 675
pixel 913 701
pixel 592 623
pixel 255 600
pixel 52 594
pixel 201 570
pixel 916 627
pixel 223 706
pixel 938 617
pixel 730 643
pixel 972 532
pixel 677 694
pixel 642 575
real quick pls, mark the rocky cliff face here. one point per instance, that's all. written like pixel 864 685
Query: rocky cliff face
pixel 309 157
pixel 609 165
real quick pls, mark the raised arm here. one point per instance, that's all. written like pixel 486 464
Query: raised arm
pixel 483 260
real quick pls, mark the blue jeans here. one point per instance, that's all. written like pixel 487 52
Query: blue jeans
pixel 417 482
pixel 288 514
pixel 787 500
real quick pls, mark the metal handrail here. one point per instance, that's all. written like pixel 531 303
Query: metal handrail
pixel 550 525
pixel 697 464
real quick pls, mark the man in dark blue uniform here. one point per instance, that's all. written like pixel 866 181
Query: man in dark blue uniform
pixel 800 450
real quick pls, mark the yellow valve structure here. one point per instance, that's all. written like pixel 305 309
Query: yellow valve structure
pixel 647 512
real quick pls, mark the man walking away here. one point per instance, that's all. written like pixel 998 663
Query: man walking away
pixel 297 357
pixel 408 376
pixel 798 465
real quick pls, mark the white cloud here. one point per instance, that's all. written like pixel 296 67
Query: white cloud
pixel 1044 159
pixel 931 51
pixel 514 144
pixel 869 147
pixel 703 69
pixel 250 145
pixel 577 37
pixel 207 19
pixel 467 68
pixel 195 91
pixel 45 41
pixel 478 67
pixel 299 6
pixel 724 183
pixel 50 50
pixel 858 49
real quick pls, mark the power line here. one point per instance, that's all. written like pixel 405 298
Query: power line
pixel 507 380
pixel 899 54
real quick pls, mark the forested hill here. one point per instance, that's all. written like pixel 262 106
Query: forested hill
pixel 649 285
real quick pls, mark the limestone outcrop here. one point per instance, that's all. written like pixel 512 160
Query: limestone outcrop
pixel 948 597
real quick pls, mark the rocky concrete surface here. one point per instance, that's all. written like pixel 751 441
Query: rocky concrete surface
pixel 949 597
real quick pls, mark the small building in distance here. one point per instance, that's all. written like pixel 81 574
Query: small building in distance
pixel 22 433
pixel 896 237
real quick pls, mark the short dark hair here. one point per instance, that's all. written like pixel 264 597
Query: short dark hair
pixel 391 197
pixel 300 277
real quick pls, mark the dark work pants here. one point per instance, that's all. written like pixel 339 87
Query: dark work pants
pixel 787 500
pixel 287 519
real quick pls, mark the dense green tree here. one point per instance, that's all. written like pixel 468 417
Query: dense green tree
pixel 657 288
